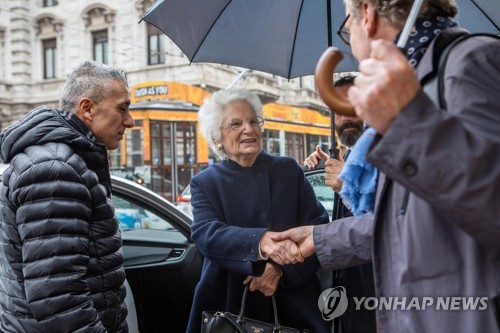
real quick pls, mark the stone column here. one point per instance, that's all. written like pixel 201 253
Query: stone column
pixel 20 29
pixel 21 54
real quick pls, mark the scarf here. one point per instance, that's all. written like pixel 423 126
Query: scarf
pixel 422 35
pixel 359 177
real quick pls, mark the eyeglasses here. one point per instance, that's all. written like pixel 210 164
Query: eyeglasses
pixel 238 124
pixel 344 34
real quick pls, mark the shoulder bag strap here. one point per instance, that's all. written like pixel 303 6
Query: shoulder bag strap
pixel 434 86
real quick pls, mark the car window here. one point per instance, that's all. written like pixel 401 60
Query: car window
pixel 133 216
pixel 324 193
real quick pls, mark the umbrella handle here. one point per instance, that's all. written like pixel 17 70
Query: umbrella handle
pixel 323 76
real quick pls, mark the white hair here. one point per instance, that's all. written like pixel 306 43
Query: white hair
pixel 211 114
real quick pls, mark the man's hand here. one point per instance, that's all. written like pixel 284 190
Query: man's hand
pixel 302 236
pixel 312 161
pixel 268 282
pixel 283 252
pixel 386 84
pixel 332 171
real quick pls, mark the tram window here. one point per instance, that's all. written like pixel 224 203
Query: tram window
pixel 272 142
pixel 135 157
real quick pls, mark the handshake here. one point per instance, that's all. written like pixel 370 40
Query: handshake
pixel 288 247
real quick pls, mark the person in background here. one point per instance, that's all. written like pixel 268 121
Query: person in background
pixel 237 205
pixel 435 229
pixel 61 263
pixel 348 129
pixel 357 280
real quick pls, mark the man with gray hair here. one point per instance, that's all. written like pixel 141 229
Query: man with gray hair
pixel 433 237
pixel 61 263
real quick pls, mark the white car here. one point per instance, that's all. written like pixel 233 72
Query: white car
pixel 183 202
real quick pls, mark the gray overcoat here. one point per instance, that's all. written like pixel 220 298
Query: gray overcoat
pixel 442 240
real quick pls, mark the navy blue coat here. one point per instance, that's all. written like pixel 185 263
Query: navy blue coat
pixel 232 208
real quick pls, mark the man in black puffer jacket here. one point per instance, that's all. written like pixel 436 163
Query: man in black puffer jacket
pixel 61 263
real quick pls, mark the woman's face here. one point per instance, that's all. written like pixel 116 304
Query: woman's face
pixel 242 141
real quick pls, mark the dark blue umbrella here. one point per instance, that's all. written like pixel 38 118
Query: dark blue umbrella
pixel 479 15
pixel 281 37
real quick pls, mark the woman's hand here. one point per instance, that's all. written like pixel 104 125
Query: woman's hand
pixel 268 282
pixel 301 236
pixel 282 252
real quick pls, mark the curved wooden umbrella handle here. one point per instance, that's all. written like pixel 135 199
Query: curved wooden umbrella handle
pixel 324 83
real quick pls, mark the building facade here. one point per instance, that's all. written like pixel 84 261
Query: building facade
pixel 41 41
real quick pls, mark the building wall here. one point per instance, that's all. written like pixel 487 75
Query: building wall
pixel 24 24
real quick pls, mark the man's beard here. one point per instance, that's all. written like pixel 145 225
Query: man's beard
pixel 350 136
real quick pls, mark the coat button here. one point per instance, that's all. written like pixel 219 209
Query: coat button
pixel 409 168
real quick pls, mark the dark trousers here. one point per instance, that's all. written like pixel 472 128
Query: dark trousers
pixel 358 282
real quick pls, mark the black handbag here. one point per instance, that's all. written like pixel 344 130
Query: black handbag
pixel 225 322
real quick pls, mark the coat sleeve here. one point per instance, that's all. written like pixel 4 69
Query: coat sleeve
pixel 451 159
pixel 345 242
pixel 231 247
pixel 53 214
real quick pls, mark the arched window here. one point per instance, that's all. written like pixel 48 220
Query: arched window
pixel 98 18
pixel 48 29
pixel 157 42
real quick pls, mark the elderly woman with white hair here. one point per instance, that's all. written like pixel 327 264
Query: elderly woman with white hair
pixel 237 205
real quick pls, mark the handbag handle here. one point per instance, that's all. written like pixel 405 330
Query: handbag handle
pixel 241 315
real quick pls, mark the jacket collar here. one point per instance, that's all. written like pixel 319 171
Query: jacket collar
pixel 430 61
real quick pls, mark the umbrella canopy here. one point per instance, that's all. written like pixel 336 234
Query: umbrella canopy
pixel 281 37
pixel 479 15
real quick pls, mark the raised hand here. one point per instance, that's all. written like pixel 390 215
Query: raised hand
pixel 312 160
pixel 386 84
pixel 301 236
pixel 283 252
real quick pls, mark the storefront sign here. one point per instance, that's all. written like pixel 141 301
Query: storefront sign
pixel 154 91
pixel 151 91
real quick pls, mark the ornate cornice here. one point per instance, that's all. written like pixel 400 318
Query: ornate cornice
pixel 98 10
pixel 143 5
pixel 47 23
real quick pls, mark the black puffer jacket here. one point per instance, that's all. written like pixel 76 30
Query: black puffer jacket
pixel 60 246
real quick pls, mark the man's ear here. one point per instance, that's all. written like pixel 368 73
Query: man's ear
pixel 85 109
pixel 370 19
